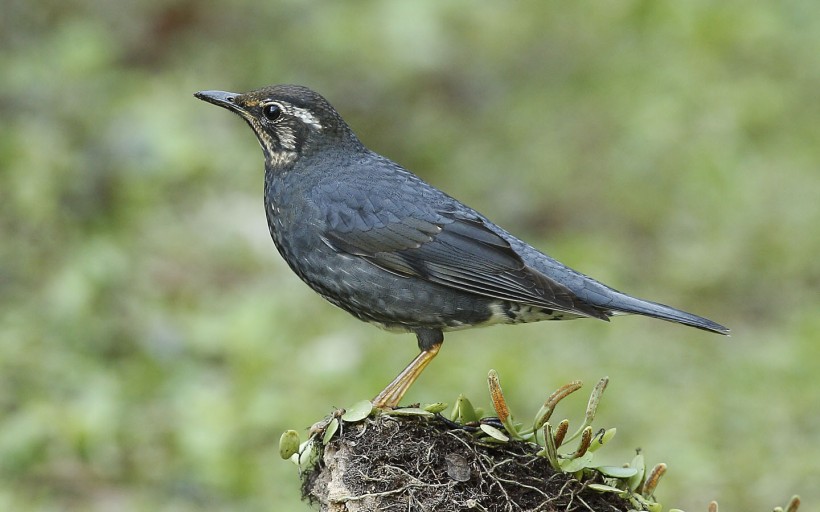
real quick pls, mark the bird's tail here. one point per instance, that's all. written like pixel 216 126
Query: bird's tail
pixel 625 304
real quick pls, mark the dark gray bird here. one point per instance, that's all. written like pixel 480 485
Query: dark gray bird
pixel 377 241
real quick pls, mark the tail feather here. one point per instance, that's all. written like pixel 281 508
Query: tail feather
pixel 626 304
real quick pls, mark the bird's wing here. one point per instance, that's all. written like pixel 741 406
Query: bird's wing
pixel 453 249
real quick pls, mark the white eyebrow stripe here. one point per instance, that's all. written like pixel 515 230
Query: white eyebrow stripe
pixel 305 116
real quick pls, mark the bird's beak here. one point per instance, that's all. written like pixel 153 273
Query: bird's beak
pixel 221 98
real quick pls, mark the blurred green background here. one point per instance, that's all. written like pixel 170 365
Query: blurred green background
pixel 153 345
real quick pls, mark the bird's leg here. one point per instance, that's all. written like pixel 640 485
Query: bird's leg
pixel 393 393
pixel 429 342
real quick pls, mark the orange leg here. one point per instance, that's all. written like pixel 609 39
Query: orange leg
pixel 390 396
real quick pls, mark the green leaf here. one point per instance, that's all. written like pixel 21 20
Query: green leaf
pixel 601 440
pixel 617 471
pixel 494 432
pixel 288 444
pixel 358 412
pixel 436 407
pixel 605 488
pixel 636 480
pixel 577 464
pixel 306 455
pixel 463 411
pixel 409 411
pixel 331 429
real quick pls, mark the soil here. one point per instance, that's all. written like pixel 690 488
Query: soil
pixel 421 464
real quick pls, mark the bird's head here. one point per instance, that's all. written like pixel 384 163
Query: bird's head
pixel 290 121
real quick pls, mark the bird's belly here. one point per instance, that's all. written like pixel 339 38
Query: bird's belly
pixel 385 299
pixel 400 303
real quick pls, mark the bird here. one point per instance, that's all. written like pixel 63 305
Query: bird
pixel 389 248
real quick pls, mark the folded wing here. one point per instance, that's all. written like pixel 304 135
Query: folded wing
pixel 450 249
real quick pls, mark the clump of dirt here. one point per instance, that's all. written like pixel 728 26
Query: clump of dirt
pixel 420 464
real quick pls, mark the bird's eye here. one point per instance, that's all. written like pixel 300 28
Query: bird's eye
pixel 272 111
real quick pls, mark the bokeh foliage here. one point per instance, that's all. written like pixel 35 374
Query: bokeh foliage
pixel 153 346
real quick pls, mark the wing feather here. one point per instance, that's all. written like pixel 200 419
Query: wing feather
pixel 447 248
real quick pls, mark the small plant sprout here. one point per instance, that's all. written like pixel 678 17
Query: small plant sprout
pixel 500 405
pixel 545 412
